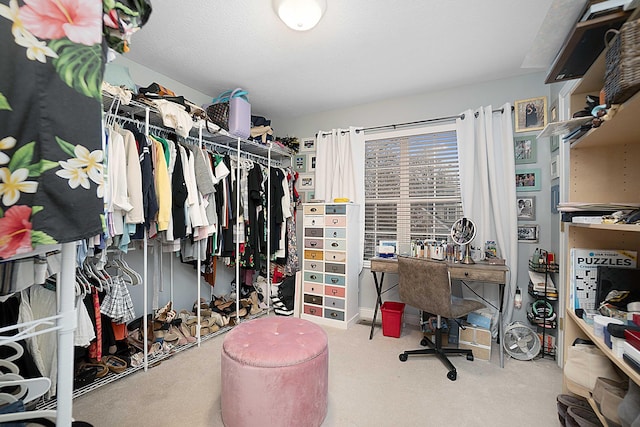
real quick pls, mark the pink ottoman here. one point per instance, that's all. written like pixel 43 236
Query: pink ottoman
pixel 275 372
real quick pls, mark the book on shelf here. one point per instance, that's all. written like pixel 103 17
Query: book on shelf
pixel 584 272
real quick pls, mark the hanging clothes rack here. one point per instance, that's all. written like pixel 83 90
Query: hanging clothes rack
pixel 220 143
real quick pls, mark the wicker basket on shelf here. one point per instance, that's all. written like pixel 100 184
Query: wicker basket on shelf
pixel 622 72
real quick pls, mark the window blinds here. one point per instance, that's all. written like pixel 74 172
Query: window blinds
pixel 412 189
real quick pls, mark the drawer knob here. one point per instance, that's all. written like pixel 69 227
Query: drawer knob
pixel 334 280
pixel 314 244
pixel 334 314
pixel 314 209
pixel 334 291
pixel 466 273
pixel 313 265
pixel 335 221
pixel 313 222
pixel 313 276
pixel 334 244
pixel 335 234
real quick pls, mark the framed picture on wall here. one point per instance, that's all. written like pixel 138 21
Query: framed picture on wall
pixel 525 149
pixel 555 172
pixel 526 207
pixel 308 144
pixel 555 198
pixel 531 114
pixel 307 181
pixel 528 179
pixel 300 163
pixel 311 163
pixel 528 233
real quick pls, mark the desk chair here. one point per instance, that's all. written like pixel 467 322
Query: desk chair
pixel 425 284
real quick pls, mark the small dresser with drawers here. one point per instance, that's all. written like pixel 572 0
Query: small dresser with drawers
pixel 330 264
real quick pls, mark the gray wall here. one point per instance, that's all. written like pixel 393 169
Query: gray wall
pixel 398 110
pixel 438 104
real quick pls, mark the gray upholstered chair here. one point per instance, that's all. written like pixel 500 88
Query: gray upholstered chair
pixel 425 284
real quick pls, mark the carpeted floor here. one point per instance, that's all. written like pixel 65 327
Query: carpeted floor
pixel 368 386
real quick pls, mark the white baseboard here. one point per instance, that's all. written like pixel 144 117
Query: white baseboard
pixel 408 319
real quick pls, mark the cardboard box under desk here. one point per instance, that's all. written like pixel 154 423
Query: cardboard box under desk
pixel 476 339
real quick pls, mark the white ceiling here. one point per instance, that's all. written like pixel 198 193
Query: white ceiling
pixel 362 51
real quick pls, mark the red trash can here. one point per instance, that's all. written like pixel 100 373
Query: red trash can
pixel 392 313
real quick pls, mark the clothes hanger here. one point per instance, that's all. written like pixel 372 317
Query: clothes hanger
pixel 35 387
pixel 7 398
pixel 49 414
pixel 18 349
pixel 13 380
pixel 10 366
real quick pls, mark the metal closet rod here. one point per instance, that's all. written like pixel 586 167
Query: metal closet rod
pixel 213 146
pixel 395 125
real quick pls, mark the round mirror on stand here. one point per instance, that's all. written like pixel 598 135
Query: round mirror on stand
pixel 463 232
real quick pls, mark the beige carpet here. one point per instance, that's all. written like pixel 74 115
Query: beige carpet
pixel 368 386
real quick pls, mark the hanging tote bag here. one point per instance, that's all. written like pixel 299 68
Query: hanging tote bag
pixel 232 112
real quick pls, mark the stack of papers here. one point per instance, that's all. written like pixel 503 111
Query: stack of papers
pixel 537 279
pixel 586 206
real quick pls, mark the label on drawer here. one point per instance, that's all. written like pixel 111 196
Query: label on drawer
pixel 337 244
pixel 312 310
pixel 334 291
pixel 335 221
pixel 336 209
pixel 334 268
pixel 333 279
pixel 313 221
pixel 335 256
pixel 336 233
pixel 313 254
pixel 313 209
pixel 334 314
pixel 313 232
pixel 313 288
pixel 315 266
pixel 312 276
pixel 313 243
pixel 313 299
pixel 334 303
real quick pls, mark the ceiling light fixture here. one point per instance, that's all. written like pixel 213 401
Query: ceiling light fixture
pixel 300 15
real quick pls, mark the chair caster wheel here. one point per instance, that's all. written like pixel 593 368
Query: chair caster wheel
pixel 424 342
pixel 403 357
pixel 452 375
pixel 470 357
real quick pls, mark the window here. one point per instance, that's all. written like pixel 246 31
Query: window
pixel 412 186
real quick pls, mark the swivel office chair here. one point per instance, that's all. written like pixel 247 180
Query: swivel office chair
pixel 425 284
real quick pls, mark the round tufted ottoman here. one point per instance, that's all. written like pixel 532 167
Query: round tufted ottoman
pixel 275 372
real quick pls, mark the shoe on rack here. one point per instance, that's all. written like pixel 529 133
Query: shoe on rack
pixel 115 364
pixel 184 330
pixel 101 368
pixel 162 313
pixel 180 338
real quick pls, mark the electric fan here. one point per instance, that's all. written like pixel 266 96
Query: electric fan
pixel 463 232
pixel 521 342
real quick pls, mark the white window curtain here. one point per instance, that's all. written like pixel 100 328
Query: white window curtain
pixel 340 170
pixel 487 180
